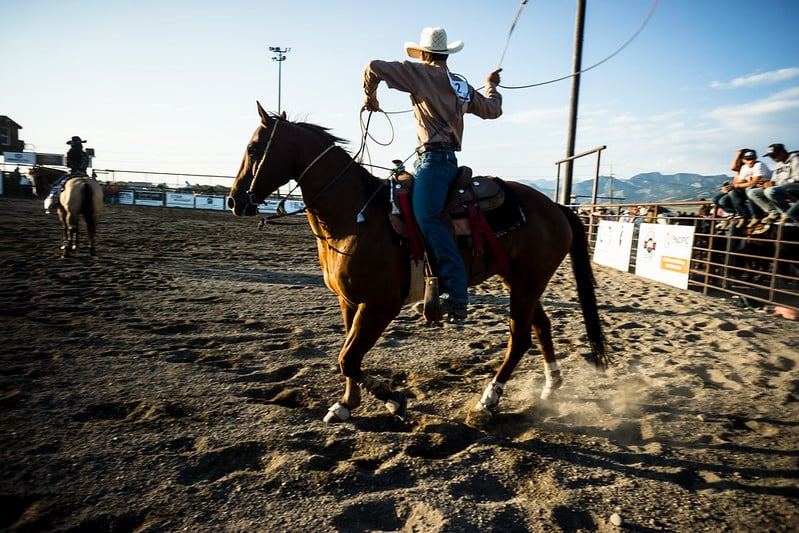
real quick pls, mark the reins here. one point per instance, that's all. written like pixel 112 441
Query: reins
pixel 281 212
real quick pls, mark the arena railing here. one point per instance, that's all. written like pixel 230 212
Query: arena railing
pixel 755 270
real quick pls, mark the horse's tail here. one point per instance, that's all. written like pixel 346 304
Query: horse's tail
pixel 581 265
pixel 87 204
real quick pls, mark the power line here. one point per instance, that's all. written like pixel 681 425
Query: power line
pixel 595 65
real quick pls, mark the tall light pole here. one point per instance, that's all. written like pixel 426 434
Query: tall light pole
pixel 280 56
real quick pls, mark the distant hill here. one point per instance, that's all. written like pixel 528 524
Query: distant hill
pixel 642 188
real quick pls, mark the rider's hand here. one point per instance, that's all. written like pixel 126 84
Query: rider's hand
pixel 493 78
pixel 371 104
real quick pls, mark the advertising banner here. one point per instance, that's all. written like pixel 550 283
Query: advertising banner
pixel 664 253
pixel 50 159
pixel 210 202
pixel 152 198
pixel 23 158
pixel 613 243
pixel 125 197
pixel 180 199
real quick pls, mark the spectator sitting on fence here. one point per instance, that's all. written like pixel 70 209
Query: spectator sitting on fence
pixel 785 179
pixel 626 216
pixel 748 172
pixel 723 201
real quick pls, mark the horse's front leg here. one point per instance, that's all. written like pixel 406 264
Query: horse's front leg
pixel 366 325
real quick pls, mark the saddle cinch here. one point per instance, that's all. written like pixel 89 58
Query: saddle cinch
pixel 478 209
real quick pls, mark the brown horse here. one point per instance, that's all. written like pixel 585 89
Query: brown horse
pixel 81 196
pixel 369 270
pixel 42 178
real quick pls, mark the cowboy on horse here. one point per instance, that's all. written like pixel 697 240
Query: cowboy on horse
pixel 77 162
pixel 440 99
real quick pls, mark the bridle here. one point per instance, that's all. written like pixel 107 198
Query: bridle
pixel 255 200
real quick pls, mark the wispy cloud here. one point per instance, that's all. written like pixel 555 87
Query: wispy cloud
pixel 772 109
pixel 752 80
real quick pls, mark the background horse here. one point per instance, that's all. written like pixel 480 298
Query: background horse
pixel 81 196
pixel 365 265
pixel 42 178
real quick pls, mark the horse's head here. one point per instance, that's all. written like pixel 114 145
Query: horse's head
pixel 265 167
pixel 42 178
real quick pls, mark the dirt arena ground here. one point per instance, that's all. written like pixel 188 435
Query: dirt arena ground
pixel 178 380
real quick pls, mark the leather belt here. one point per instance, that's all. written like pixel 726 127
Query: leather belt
pixel 428 147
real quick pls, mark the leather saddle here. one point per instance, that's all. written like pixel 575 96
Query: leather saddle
pixel 478 210
pixel 467 190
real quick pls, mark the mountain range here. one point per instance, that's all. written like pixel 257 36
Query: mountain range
pixel 643 188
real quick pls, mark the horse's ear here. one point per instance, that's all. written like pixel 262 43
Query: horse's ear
pixel 283 115
pixel 264 115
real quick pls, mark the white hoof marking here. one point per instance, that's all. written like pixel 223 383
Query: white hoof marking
pixel 337 413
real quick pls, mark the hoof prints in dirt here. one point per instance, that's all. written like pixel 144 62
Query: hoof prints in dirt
pixel 217 464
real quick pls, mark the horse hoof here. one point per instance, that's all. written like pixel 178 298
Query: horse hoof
pixel 397 404
pixel 337 413
pixel 479 417
pixel 554 382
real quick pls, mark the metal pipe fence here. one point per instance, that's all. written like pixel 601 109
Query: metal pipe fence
pixel 755 269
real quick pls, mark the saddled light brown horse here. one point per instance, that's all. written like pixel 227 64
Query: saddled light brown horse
pixel 368 269
pixel 81 196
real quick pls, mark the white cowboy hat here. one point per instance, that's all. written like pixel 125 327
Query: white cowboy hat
pixel 433 40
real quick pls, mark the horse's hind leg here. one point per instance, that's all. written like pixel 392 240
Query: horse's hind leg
pixel 543 332
pixel 520 340
pixel 74 223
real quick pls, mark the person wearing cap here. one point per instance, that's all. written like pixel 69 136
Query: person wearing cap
pixel 785 186
pixel 574 203
pixel 724 200
pixel 440 98
pixel 751 173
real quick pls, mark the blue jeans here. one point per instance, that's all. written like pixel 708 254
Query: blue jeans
pixel 779 196
pixel 435 171
pixel 734 202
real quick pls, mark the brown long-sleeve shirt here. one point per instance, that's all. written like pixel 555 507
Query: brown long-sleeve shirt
pixel 438 111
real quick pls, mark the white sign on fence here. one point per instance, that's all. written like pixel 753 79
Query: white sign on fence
pixel 24 158
pixel 613 243
pixel 210 202
pixel 179 199
pixel 125 197
pixel 664 253
pixel 151 198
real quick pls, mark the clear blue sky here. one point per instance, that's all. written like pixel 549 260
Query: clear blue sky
pixel 171 85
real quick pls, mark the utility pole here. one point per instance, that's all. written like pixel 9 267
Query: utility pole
pixel 579 25
pixel 280 56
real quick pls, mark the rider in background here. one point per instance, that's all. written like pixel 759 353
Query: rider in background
pixel 77 158
pixel 77 162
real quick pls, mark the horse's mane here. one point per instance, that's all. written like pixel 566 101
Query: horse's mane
pixel 368 178
pixel 322 132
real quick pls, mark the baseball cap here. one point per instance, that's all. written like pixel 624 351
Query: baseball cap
pixel 775 148
pixel 749 154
